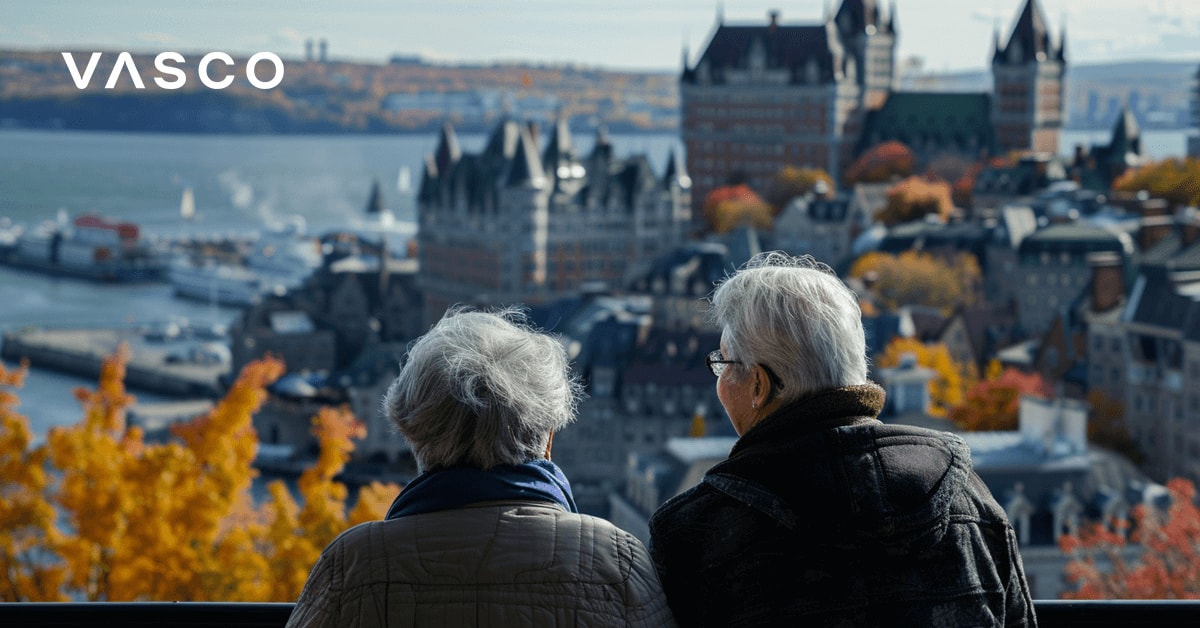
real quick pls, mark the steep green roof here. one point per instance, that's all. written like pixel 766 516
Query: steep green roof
pixel 960 122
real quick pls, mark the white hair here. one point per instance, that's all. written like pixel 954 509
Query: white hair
pixel 481 389
pixel 794 316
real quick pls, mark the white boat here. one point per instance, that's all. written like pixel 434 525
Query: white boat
pixel 280 260
pixel 213 282
pixel 89 247
pixel 187 204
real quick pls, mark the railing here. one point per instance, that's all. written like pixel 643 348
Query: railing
pixel 1051 614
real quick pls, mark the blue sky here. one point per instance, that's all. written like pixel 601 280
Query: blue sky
pixel 621 34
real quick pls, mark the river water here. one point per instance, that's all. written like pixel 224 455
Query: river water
pixel 240 184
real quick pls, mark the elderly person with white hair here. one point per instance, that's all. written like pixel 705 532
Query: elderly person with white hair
pixel 822 515
pixel 488 534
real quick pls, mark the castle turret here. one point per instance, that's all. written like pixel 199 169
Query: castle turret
pixel 1027 104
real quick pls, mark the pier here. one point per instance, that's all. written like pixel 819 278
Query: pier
pixel 168 369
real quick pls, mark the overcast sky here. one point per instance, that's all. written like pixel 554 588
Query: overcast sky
pixel 617 34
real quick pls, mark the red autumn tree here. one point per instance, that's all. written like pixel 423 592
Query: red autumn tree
pixel 1102 566
pixel 995 402
pixel 883 162
pixel 729 207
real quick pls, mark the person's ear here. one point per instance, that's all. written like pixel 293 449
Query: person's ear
pixel 762 387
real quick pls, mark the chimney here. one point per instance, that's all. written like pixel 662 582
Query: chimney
pixel 1153 229
pixel 1108 283
pixel 1188 220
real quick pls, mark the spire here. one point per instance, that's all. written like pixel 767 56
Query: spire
pixel 448 152
pixel 997 48
pixel 1062 43
pixel 676 173
pixel 429 180
pixel 1031 35
pixel 1126 131
pixel 375 201
pixel 891 23
pixel 526 167
pixel 560 148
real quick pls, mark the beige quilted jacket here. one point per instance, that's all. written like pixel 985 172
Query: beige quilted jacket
pixel 488 564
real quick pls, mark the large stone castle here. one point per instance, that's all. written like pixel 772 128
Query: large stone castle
pixel 763 96
pixel 518 223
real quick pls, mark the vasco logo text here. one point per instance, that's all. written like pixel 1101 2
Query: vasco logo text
pixel 163 62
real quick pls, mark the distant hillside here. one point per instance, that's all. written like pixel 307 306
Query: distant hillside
pixel 36 90
pixel 1158 92
pixel 409 95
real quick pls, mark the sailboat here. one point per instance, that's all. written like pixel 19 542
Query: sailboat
pixel 187 204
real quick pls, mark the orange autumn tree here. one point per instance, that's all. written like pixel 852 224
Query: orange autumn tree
pixel 174 521
pixel 729 207
pixel 919 278
pixel 995 402
pixel 915 198
pixel 952 381
pixel 1102 566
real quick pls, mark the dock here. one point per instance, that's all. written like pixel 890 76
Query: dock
pixel 151 368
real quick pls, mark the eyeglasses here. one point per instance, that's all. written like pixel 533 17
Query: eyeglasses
pixel 717 365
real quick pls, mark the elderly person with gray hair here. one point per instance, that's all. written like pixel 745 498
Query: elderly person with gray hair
pixel 488 534
pixel 822 515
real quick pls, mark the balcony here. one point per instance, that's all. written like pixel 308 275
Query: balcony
pixel 1051 614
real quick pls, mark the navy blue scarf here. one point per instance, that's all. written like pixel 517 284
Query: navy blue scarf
pixel 539 480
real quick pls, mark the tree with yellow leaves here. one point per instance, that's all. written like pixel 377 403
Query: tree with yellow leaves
pixel 953 380
pixel 920 278
pixel 1176 180
pixel 171 521
pixel 26 517
pixel 791 182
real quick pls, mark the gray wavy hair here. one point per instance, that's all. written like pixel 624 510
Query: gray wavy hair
pixel 795 316
pixel 481 389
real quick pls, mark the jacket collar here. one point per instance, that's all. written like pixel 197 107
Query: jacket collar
pixel 814 412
